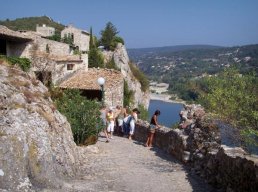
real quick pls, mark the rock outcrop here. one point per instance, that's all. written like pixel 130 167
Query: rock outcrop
pixel 36 143
pixel 122 62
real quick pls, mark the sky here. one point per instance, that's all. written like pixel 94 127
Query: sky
pixel 151 23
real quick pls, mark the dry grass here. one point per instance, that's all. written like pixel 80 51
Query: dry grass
pixel 35 82
pixel 17 106
pixel 48 117
pixel 17 83
pixel 31 96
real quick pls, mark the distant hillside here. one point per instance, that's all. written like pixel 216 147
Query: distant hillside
pixel 179 65
pixel 169 49
pixel 30 23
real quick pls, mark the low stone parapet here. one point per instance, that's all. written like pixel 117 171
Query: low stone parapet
pixel 199 146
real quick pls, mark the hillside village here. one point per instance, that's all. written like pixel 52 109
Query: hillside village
pixel 58 63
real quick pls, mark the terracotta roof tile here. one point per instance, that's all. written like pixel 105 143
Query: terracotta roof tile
pixel 88 79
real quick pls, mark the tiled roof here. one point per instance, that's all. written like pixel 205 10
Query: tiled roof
pixel 87 80
pixel 12 35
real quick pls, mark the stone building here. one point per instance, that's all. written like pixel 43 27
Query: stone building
pixel 45 31
pixel 80 37
pixel 51 60
pixel 87 83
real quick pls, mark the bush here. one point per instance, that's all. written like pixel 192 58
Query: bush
pixel 119 40
pixel 23 63
pixel 144 115
pixel 140 77
pixel 82 114
pixel 128 95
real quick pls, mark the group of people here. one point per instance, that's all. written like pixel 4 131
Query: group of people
pixel 122 120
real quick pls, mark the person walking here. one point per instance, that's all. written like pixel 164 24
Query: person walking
pixel 153 126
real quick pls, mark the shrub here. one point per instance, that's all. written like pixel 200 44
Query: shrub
pixel 128 95
pixel 119 40
pixel 82 114
pixel 23 63
pixel 140 77
pixel 144 115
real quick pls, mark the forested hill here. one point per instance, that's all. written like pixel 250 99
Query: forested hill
pixel 182 64
pixel 194 59
pixel 169 49
pixel 30 23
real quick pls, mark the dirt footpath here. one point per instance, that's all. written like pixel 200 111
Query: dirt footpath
pixel 125 165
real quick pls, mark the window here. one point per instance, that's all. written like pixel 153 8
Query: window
pixel 70 67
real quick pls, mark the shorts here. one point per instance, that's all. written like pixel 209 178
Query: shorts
pixel 152 128
pixel 110 127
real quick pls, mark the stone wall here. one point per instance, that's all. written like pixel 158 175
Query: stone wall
pixel 114 96
pixel 81 38
pixel 198 145
pixel 18 49
pixel 55 48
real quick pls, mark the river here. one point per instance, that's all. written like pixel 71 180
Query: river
pixel 169 112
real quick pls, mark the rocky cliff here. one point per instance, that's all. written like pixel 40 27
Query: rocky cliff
pixel 36 143
pixel 122 62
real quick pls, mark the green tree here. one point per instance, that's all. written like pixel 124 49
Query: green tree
pixel 234 98
pixel 96 58
pixel 108 35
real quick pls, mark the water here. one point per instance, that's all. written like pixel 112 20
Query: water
pixel 169 112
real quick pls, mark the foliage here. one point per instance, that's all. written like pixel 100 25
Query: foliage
pixel 118 39
pixel 128 95
pixel 144 115
pixel 68 39
pixel 30 23
pixel 55 37
pixel 108 35
pixel 23 63
pixel 112 65
pixel 140 77
pixel 234 98
pixel 82 114
pixel 96 58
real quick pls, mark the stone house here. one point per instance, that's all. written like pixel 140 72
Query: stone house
pixel 87 83
pixel 53 62
pixel 50 59
pixel 80 37
pixel 45 31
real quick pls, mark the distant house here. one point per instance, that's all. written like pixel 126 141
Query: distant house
pixel 86 81
pixel 45 31
pixel 80 37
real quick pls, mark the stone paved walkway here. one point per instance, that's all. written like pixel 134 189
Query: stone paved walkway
pixel 124 165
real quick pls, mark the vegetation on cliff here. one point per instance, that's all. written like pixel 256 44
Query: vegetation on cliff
pixel 23 63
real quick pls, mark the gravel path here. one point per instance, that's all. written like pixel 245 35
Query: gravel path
pixel 124 165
